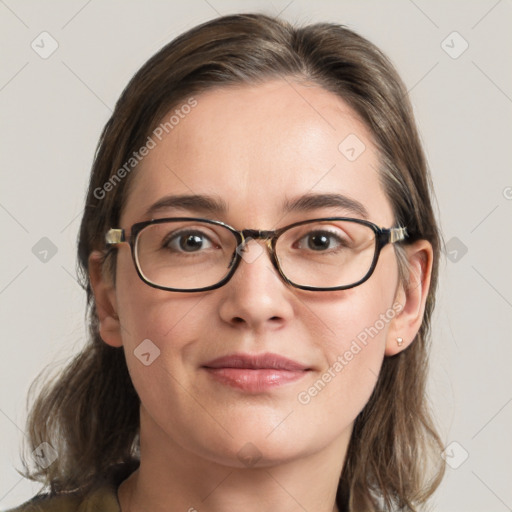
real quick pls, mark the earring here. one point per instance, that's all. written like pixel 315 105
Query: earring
pixel 399 341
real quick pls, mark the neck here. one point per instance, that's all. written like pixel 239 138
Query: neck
pixel 171 479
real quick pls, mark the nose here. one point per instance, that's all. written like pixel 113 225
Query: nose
pixel 256 298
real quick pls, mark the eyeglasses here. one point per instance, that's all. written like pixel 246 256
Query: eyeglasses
pixel 192 255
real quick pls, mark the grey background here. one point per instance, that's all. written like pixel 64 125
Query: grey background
pixel 53 110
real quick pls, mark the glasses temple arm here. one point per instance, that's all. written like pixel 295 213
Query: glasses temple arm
pixel 114 236
pixel 397 234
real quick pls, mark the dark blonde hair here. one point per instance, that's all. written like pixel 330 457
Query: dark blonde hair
pixel 90 412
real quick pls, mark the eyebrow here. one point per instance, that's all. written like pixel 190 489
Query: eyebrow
pixel 213 205
pixel 193 202
pixel 311 202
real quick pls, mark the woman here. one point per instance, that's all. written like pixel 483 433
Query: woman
pixel 260 257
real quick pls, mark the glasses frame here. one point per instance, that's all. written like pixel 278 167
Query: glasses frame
pixel 383 236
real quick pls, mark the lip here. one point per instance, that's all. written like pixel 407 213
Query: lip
pixel 255 373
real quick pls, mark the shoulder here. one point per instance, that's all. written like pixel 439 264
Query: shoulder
pixel 47 503
pixel 103 498
pixel 101 495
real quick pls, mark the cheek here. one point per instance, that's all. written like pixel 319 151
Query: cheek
pixel 157 327
pixel 358 325
pixel 354 355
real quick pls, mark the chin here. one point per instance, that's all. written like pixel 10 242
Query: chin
pixel 255 448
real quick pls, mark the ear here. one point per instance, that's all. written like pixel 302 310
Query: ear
pixel 412 299
pixel 105 299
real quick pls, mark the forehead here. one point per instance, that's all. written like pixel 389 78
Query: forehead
pixel 256 148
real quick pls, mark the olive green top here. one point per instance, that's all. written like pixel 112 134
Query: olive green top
pixel 100 496
pixel 102 499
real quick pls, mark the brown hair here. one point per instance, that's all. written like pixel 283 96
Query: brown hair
pixel 90 412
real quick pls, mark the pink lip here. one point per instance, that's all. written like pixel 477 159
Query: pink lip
pixel 255 373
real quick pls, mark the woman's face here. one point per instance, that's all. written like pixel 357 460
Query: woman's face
pixel 255 149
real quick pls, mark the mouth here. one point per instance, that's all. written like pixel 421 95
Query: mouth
pixel 255 373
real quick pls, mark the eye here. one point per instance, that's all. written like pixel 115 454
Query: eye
pixel 321 241
pixel 187 241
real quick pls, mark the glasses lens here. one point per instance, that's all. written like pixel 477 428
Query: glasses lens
pixel 326 254
pixel 185 254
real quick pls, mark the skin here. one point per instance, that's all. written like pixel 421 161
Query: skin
pixel 254 147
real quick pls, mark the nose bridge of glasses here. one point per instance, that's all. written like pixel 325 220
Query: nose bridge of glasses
pixel 255 235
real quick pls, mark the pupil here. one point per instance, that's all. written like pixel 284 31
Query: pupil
pixel 318 242
pixel 191 243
